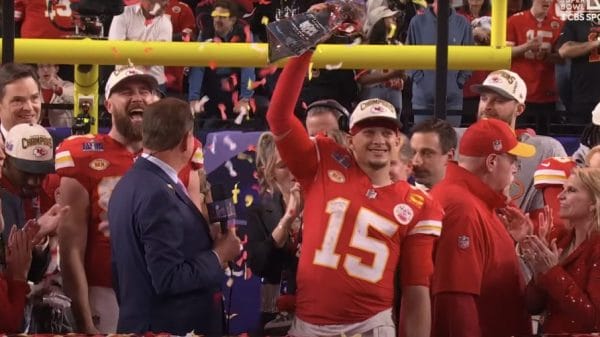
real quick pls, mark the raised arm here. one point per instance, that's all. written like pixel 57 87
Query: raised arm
pixel 293 143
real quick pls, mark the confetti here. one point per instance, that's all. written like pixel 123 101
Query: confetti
pixel 264 20
pixel 245 156
pixel 248 200
pixel 229 166
pixel 310 71
pixel 333 66
pixel 230 282
pixel 240 117
pixel 115 52
pixel 304 105
pixel 392 32
pixel 230 143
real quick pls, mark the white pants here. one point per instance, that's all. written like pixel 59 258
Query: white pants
pixel 105 310
pixel 380 325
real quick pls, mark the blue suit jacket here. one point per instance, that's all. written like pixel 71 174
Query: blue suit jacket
pixel 165 275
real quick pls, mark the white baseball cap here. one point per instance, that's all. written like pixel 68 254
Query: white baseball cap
pixel 30 147
pixel 505 83
pixel 377 14
pixel 373 108
pixel 119 75
pixel 596 115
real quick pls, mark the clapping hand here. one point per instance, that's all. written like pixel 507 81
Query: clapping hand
pixel 545 223
pixel 46 224
pixel 538 256
pixel 295 203
pixel 18 255
pixel 518 224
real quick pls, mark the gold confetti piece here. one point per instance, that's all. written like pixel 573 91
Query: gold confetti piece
pixel 333 66
pixel 249 86
pixel 230 282
pixel 310 69
pixel 264 20
pixel 392 31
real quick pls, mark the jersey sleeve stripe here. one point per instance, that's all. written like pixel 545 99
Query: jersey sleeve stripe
pixel 544 179
pixel 550 172
pixel 430 227
pixel 549 181
pixel 63 159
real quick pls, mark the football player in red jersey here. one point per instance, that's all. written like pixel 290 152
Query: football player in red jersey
pixel 44 19
pixel 534 33
pixel 90 167
pixel 359 226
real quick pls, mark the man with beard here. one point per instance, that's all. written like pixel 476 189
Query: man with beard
pixel 90 166
pixel 433 142
pixel 167 268
pixel 503 95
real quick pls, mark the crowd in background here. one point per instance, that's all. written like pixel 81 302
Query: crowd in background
pixel 357 181
pixel 558 72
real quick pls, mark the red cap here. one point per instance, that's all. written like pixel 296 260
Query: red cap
pixel 488 136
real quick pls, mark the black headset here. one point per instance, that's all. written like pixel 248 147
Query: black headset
pixel 344 115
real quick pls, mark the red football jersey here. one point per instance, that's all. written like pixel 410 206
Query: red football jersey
pixel 355 236
pixel 553 171
pixel 44 18
pixel 537 73
pixel 98 162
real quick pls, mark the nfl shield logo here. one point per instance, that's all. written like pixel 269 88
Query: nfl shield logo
pixel 497 144
pixel 463 242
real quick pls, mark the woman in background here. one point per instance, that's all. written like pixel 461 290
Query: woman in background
pixel 566 272
pixel 274 227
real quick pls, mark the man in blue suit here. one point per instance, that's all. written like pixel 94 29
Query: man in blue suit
pixel 167 269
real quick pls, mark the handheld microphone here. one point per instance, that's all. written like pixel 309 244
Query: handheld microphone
pixel 222 209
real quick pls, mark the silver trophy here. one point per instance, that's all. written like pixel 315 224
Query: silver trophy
pixel 295 35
